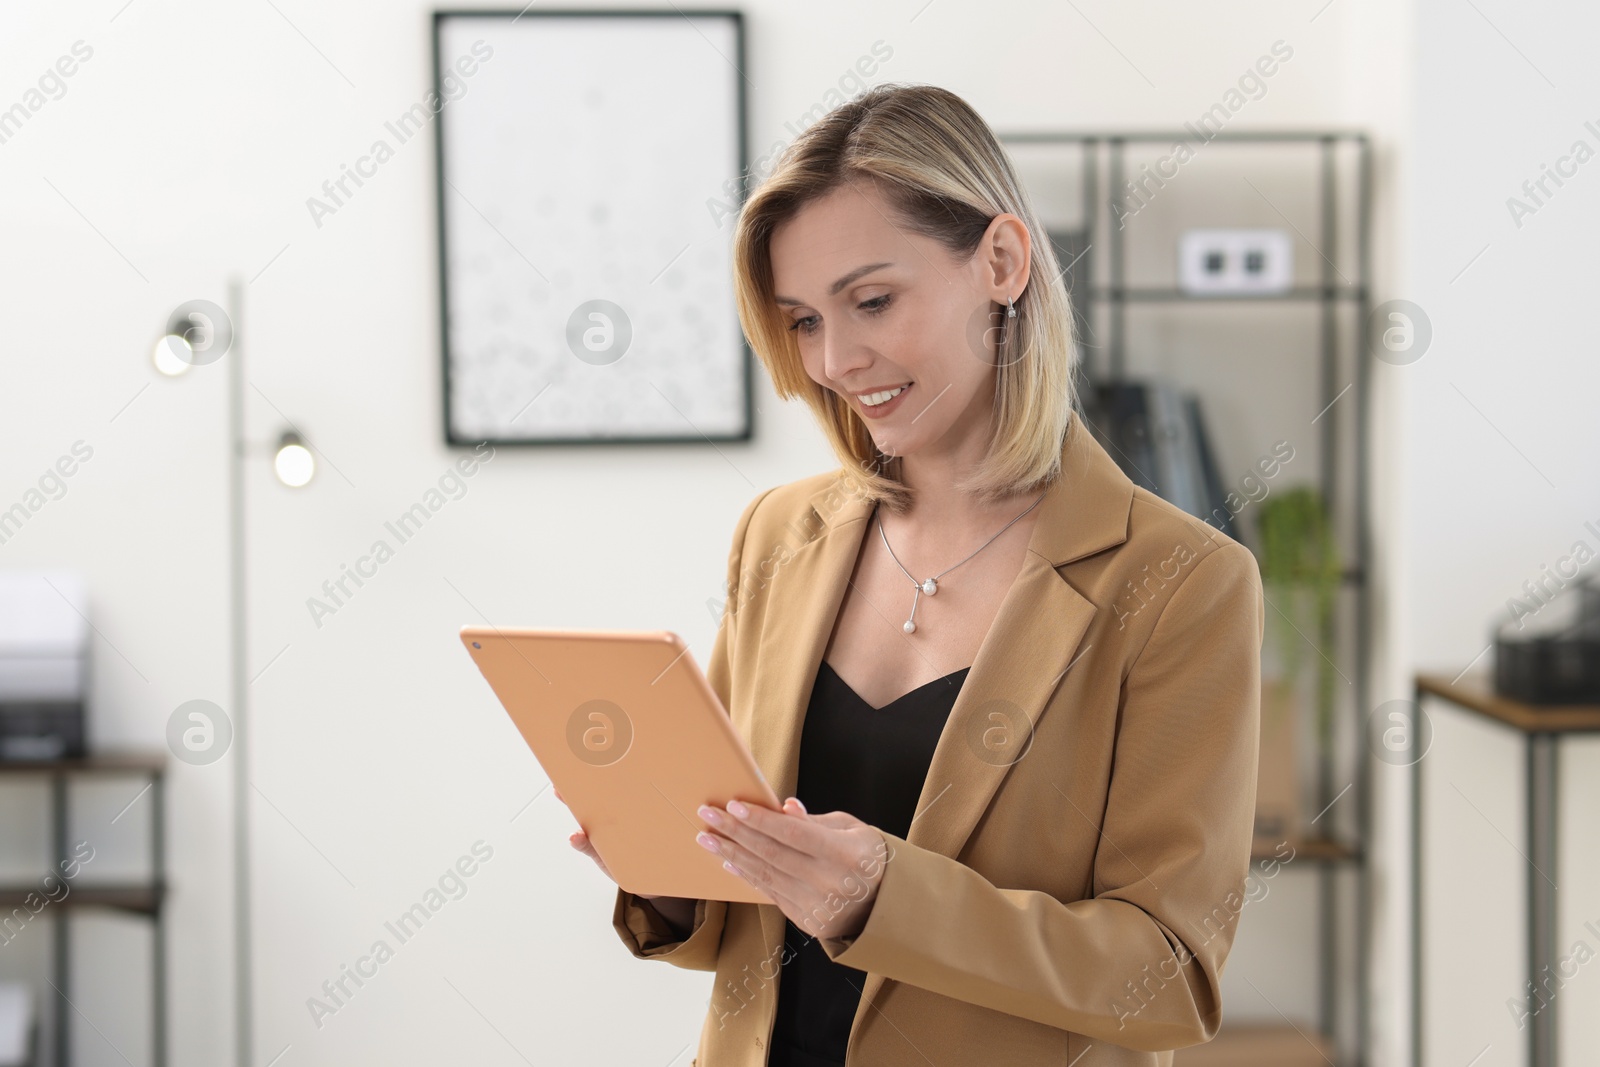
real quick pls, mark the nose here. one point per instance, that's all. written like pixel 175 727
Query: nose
pixel 842 355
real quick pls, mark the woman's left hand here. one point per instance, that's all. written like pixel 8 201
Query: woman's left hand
pixel 823 870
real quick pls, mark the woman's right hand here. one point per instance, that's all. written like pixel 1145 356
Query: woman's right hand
pixel 580 841
pixel 678 911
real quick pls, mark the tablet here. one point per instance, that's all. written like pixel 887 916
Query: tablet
pixel 626 725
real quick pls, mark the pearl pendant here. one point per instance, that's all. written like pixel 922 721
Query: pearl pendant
pixel 930 587
pixel 910 625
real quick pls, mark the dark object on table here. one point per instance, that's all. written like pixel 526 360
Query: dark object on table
pixel 44 665
pixel 1549 652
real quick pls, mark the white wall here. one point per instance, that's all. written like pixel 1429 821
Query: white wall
pixel 185 149
pixel 1502 476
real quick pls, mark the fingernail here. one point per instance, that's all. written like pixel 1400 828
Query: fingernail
pixel 707 842
pixel 738 809
pixel 710 815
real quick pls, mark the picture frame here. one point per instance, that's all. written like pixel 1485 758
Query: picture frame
pixel 590 168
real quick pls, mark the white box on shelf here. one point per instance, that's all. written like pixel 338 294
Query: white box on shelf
pixel 17 1023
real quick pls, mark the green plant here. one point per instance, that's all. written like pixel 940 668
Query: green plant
pixel 1300 568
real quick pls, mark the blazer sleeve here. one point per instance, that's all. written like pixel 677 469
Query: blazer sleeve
pixel 1138 964
pixel 643 929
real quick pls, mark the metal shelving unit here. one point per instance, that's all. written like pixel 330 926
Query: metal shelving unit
pixel 1102 183
pixel 143 898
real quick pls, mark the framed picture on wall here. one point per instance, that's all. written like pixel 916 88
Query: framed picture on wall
pixel 590 170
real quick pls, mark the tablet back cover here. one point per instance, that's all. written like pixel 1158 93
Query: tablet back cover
pixel 627 727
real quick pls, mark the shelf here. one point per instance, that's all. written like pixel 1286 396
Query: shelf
pixel 1315 849
pixel 136 897
pixel 1158 294
pixel 111 762
pixel 1353 576
pixel 1258 1045
pixel 1167 136
pixel 142 899
pixel 1111 295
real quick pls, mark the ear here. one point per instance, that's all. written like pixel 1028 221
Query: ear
pixel 1007 254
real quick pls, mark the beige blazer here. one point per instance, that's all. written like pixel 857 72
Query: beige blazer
pixel 1073 878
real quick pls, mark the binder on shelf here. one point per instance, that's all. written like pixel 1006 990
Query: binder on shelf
pixel 1158 438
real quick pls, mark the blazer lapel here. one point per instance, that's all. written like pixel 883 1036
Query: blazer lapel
pixel 1032 644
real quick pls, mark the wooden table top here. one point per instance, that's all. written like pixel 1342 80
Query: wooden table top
pixel 111 761
pixel 1475 692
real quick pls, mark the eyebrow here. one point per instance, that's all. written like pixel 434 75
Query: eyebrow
pixel 841 283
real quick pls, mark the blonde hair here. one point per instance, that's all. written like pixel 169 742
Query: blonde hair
pixel 941 167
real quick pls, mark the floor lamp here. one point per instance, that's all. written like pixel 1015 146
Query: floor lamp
pixel 199 333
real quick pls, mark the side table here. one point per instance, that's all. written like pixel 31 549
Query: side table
pixel 1542 727
pixel 137 898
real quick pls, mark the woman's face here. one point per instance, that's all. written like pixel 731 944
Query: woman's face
pixel 875 308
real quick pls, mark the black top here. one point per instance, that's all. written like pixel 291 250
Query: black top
pixel 869 762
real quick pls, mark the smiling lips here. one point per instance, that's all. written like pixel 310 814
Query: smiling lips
pixel 881 402
pixel 883 396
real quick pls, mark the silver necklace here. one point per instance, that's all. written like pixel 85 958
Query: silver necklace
pixel 930 586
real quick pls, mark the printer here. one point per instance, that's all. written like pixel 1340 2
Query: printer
pixel 44 664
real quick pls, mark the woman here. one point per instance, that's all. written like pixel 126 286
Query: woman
pixel 1010 699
